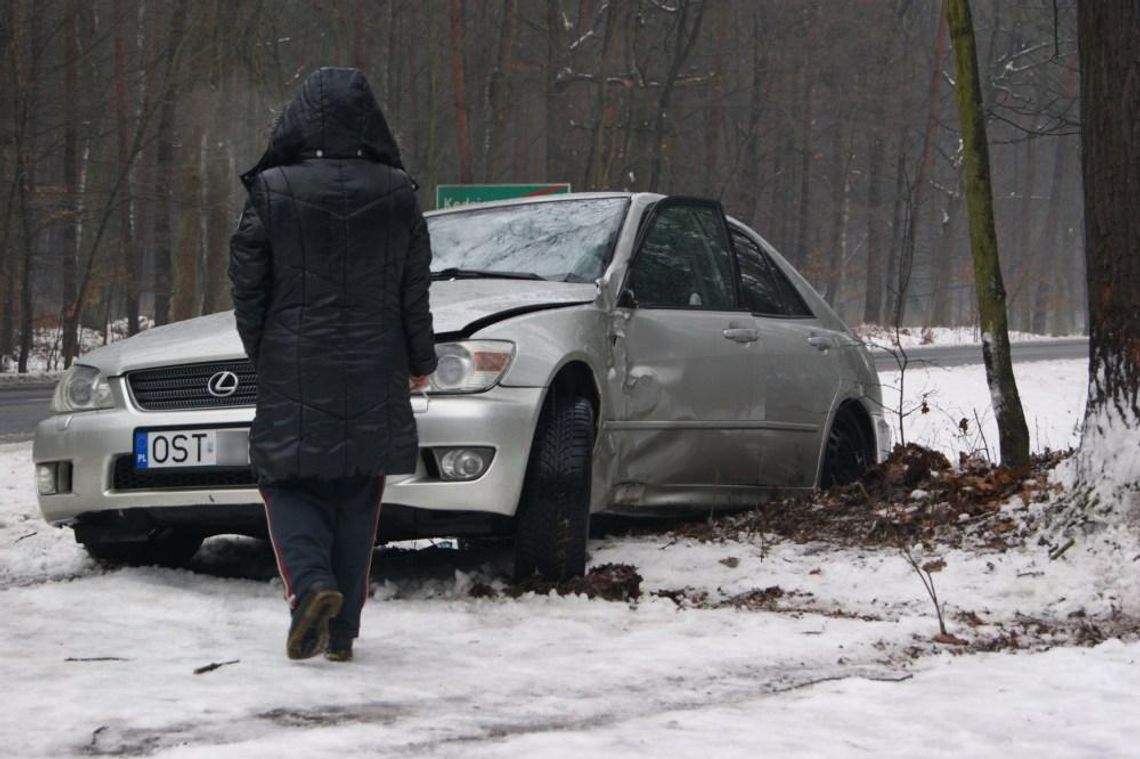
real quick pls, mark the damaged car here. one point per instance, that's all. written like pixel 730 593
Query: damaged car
pixel 627 353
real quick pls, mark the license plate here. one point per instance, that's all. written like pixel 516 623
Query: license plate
pixel 161 449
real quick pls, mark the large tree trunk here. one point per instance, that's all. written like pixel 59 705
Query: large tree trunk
pixel 1109 42
pixel 1013 435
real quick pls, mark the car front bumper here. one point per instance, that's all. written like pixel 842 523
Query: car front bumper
pixel 91 443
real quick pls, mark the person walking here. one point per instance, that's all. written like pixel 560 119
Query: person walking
pixel 329 269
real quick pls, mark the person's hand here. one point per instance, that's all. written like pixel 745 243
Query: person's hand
pixel 417 383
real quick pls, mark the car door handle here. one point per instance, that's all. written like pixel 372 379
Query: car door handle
pixel 741 335
pixel 821 344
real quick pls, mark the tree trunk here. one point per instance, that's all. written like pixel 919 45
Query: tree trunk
pixel 70 247
pixel 873 282
pixel 750 174
pixel 900 218
pixel 605 110
pixel 683 43
pixel 185 301
pixel 1049 245
pixel 907 247
pixel 127 251
pixel 499 95
pixel 1109 42
pixel 165 170
pixel 1013 435
pixel 458 77
pixel 945 264
pixel 840 205
pixel 803 243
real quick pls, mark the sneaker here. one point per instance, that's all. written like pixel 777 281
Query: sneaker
pixel 309 630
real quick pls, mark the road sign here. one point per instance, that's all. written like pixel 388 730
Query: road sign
pixel 448 195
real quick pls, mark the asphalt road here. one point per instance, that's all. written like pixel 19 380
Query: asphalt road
pixel 961 355
pixel 24 404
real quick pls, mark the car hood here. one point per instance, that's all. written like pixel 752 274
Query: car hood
pixel 459 307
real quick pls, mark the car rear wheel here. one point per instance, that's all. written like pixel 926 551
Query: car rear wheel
pixel 849 452
pixel 164 548
pixel 553 519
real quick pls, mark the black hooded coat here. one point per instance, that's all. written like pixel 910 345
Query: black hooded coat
pixel 329 269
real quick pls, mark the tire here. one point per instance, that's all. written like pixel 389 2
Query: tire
pixel 163 548
pixel 848 453
pixel 553 518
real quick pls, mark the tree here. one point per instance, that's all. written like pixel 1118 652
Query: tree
pixel 1109 42
pixel 1013 434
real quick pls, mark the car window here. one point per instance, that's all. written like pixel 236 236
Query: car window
pixel 684 261
pixel 757 284
pixel 766 289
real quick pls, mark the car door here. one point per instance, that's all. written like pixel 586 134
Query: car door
pixel 686 355
pixel 798 369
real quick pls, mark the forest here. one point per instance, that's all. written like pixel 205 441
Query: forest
pixel 830 127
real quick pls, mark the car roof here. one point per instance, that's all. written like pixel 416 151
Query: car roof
pixel 559 198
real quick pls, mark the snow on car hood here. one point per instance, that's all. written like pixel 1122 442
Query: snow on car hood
pixel 455 305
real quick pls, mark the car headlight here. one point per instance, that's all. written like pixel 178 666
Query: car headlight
pixel 470 366
pixel 83 388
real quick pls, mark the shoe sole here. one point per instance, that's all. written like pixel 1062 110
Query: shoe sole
pixel 322 607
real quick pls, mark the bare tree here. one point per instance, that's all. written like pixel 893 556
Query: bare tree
pixel 1109 36
pixel 1013 433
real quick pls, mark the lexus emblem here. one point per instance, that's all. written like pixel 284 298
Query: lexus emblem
pixel 222 384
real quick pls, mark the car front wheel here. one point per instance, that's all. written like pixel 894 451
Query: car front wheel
pixel 553 518
pixel 849 452
pixel 164 548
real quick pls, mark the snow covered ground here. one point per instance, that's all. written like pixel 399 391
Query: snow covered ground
pixel 793 649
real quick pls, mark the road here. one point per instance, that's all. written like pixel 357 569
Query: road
pixel 23 405
pixel 960 355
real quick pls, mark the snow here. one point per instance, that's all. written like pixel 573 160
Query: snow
pixel 838 662
pixel 1052 396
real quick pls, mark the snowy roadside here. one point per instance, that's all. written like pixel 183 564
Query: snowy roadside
pixel 734 647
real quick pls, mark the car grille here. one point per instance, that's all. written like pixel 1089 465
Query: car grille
pixel 178 388
pixel 124 476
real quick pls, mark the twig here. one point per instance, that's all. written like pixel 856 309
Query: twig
pixel 25 537
pixel 837 678
pixel 215 665
pixel 982 434
pixel 927 582
pixel 1057 553
pixel 95 658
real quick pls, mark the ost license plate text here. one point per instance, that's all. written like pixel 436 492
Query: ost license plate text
pixel 156 449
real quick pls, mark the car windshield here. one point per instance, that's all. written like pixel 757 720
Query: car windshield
pixel 564 241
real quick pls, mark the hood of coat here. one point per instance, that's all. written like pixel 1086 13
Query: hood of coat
pixel 456 307
pixel 336 114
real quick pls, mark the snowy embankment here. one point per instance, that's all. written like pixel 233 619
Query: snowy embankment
pixel 735 647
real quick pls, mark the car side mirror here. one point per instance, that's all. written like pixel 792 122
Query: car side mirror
pixel 627 299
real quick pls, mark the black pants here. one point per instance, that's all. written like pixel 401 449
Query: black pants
pixel 324 531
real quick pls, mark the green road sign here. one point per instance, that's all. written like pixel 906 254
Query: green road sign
pixel 448 195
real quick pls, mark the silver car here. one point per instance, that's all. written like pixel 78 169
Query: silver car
pixel 601 352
